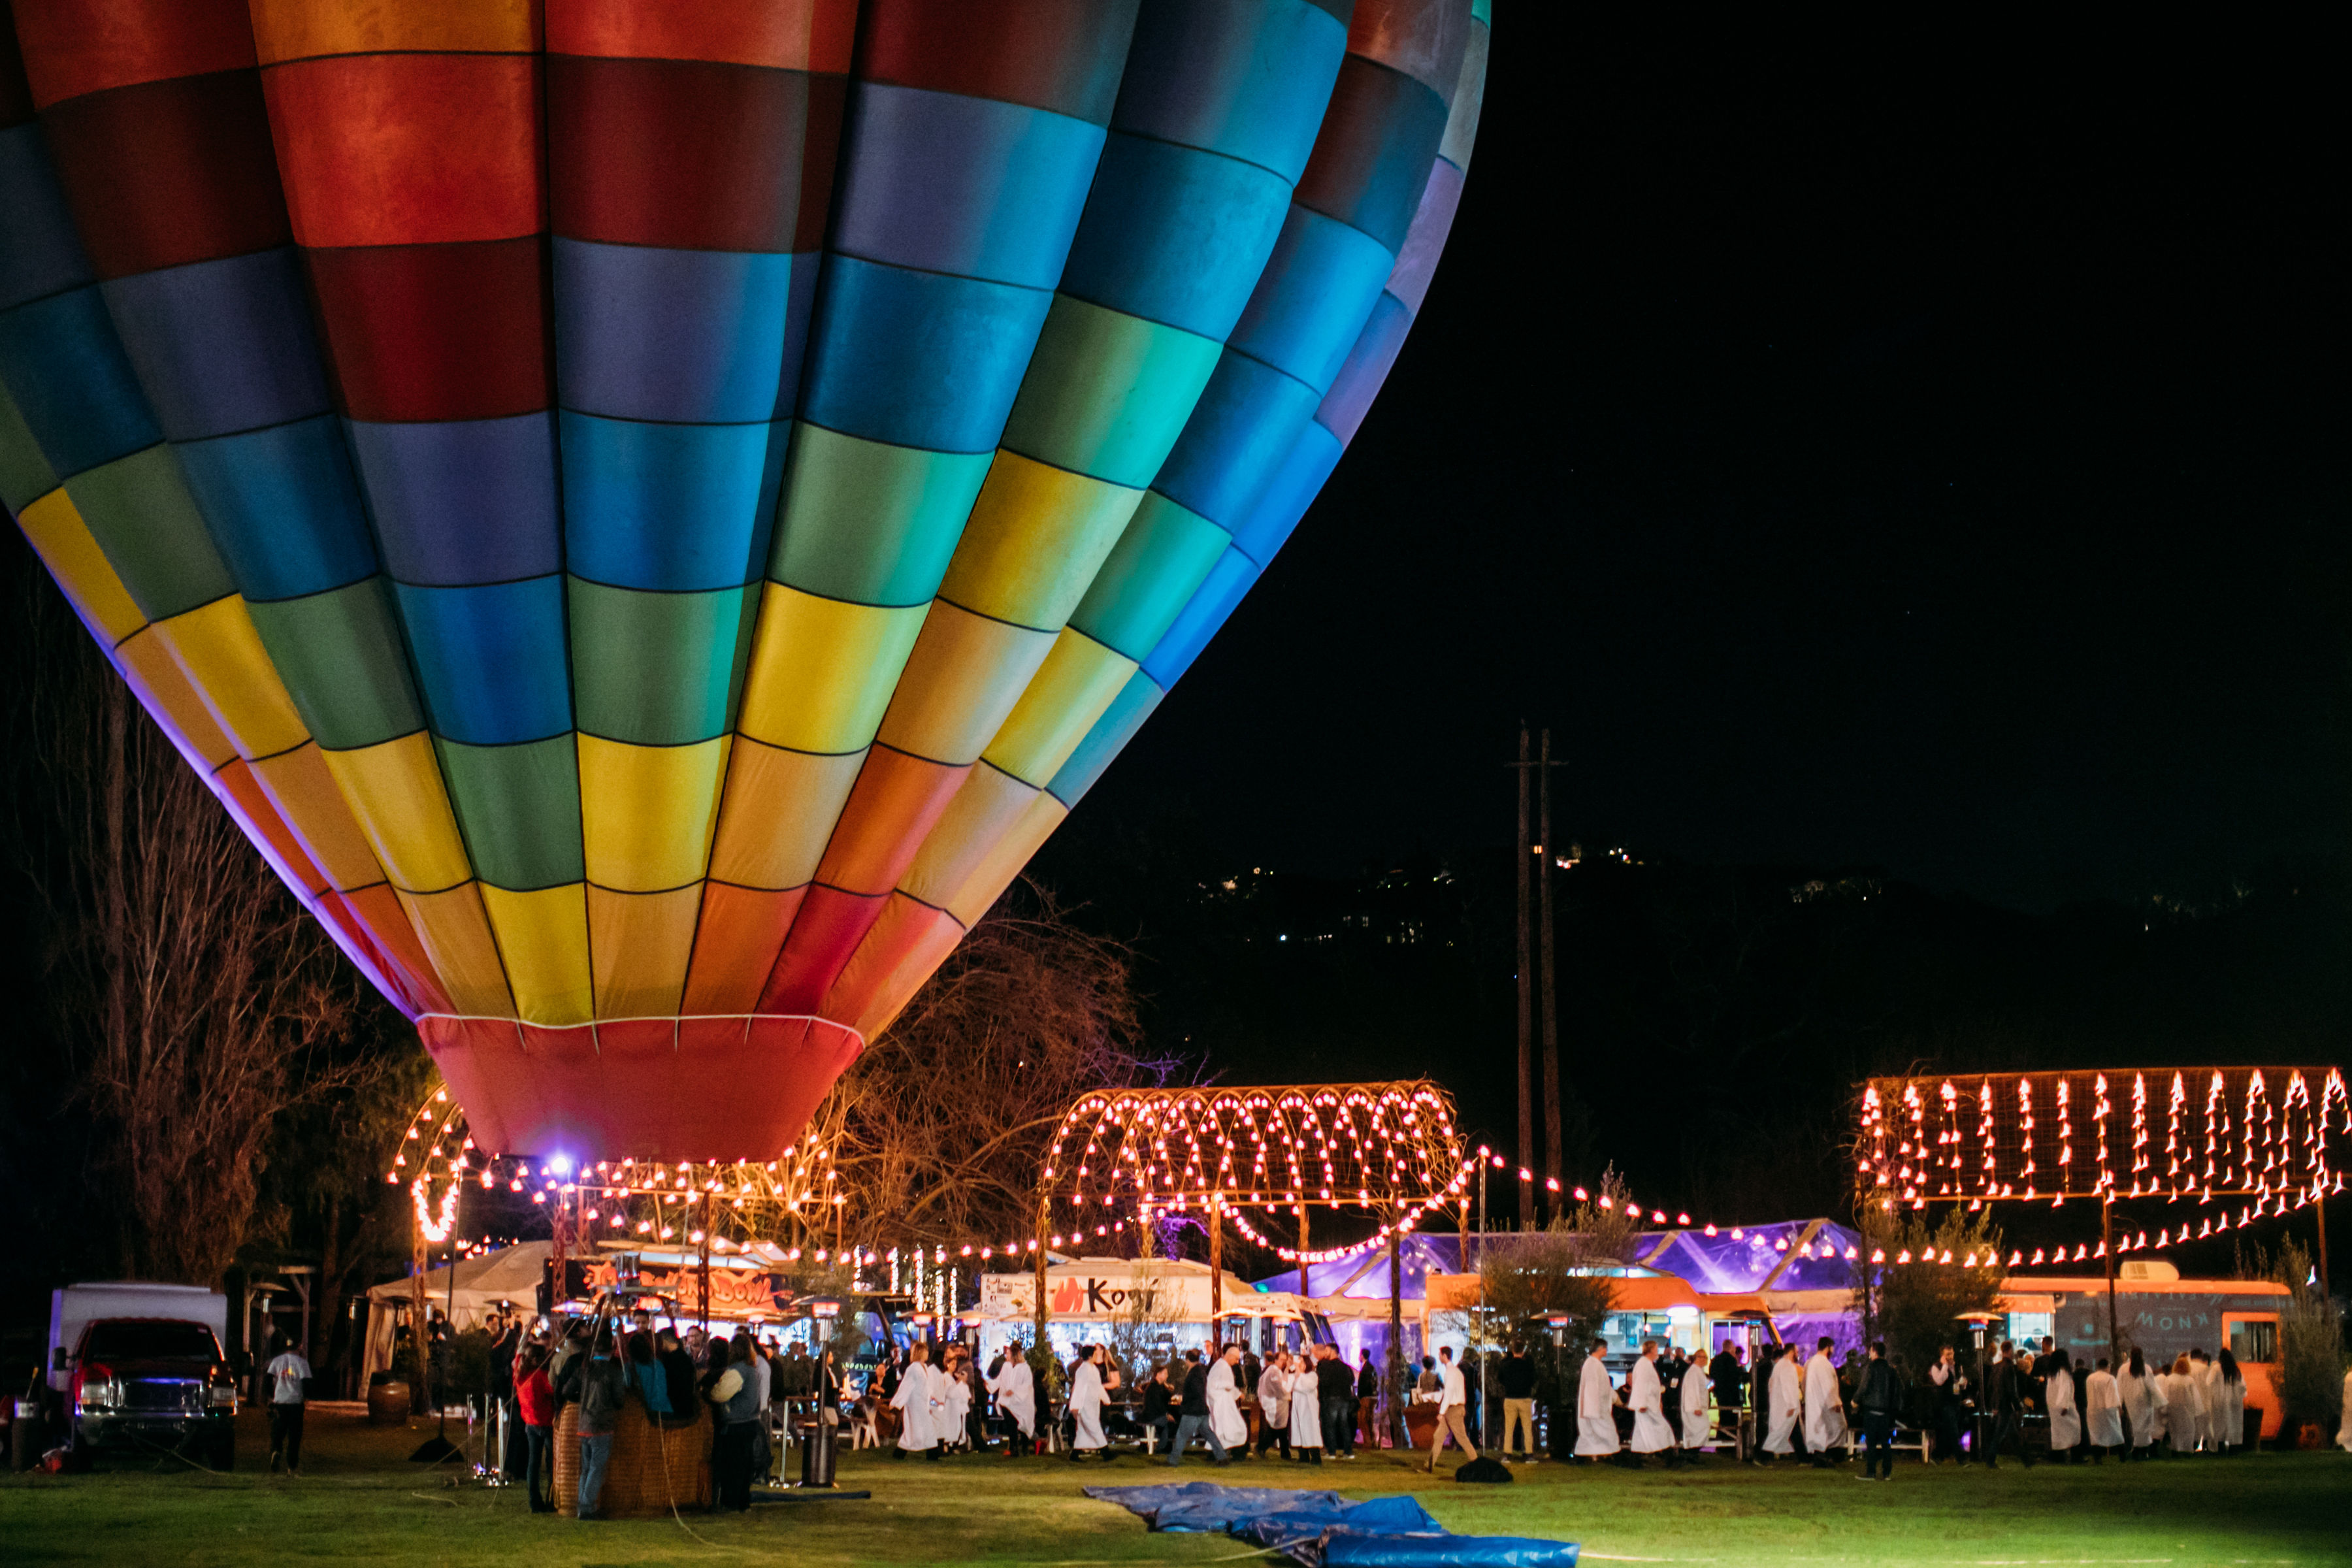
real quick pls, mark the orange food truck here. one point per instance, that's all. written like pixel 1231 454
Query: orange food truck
pixel 2161 1314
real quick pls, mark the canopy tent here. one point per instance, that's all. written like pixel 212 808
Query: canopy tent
pixel 510 1275
pixel 1796 1255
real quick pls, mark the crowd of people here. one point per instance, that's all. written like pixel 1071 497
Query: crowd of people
pixel 603 1365
pixel 1310 1401
pixel 1312 1406
pixel 1819 1409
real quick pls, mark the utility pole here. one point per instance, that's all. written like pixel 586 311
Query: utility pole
pixel 2107 1252
pixel 1527 1004
pixel 1545 854
pixel 2321 1209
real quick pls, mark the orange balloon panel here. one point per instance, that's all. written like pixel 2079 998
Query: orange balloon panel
pixel 665 1088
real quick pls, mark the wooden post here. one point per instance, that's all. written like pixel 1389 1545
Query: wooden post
pixel 1546 855
pixel 1038 1316
pixel 703 1273
pixel 1527 1007
pixel 1303 1282
pixel 1216 1267
pixel 420 1372
pixel 1398 1437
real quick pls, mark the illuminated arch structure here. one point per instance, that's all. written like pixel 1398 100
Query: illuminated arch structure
pixel 1392 1149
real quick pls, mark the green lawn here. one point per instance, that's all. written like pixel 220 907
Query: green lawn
pixel 361 1501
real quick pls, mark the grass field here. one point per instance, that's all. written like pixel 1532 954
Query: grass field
pixel 361 1501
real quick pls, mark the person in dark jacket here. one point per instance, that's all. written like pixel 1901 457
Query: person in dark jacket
pixel 603 1387
pixel 735 1405
pixel 1670 1394
pixel 1341 1395
pixel 677 1371
pixel 506 1344
pixel 1518 1377
pixel 1728 1373
pixel 1159 1414
pixel 2004 1397
pixel 794 1374
pixel 1878 1396
pixel 1193 1415
pixel 1947 1386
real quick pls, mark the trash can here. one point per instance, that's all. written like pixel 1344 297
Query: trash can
pixel 817 1437
pixel 25 1435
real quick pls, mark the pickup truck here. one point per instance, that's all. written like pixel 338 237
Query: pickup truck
pixel 140 1367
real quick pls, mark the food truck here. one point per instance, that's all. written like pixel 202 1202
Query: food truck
pixel 2163 1316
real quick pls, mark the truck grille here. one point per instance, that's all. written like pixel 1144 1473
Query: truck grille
pixel 163 1393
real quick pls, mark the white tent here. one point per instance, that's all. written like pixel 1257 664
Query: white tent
pixel 510 1275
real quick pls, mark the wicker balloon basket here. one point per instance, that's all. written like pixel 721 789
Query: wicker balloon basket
pixel 654 1466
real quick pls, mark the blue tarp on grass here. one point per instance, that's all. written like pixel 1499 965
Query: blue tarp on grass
pixel 1324 1529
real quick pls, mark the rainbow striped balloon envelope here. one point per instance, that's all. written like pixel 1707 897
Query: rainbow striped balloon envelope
pixel 647 512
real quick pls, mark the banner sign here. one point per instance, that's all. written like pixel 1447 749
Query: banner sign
pixel 734 1292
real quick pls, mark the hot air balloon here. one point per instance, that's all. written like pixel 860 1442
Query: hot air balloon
pixel 648 514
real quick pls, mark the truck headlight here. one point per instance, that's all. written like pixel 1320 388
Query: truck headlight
pixel 223 1397
pixel 101 1394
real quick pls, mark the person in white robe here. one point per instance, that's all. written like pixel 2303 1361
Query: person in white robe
pixel 1696 1388
pixel 1016 1387
pixel 1644 1397
pixel 2187 1395
pixel 2143 1404
pixel 2058 1394
pixel 2228 1402
pixel 2174 1407
pixel 1086 1405
pixel 1274 1405
pixel 1306 1411
pixel 918 1405
pixel 1783 1395
pixel 1596 1407
pixel 2105 1410
pixel 955 1409
pixel 1824 1409
pixel 2344 1427
pixel 1225 1416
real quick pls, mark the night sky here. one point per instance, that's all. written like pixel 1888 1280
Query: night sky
pixel 1916 452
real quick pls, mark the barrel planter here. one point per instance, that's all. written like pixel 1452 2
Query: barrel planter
pixel 388 1402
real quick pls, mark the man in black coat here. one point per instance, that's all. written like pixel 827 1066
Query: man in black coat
pixel 1334 1390
pixel 1368 1393
pixel 1728 1373
pixel 1193 1415
pixel 1878 1396
pixel 2004 1396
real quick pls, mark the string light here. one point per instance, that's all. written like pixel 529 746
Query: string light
pixel 2272 1145
pixel 2276 1144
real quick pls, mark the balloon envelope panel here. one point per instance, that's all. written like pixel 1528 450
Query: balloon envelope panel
pixel 654 514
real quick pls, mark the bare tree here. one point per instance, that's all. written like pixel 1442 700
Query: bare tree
pixel 1914 1298
pixel 939 1128
pixel 1569 1270
pixel 195 993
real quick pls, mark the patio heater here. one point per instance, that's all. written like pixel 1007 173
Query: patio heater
pixel 1980 1325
